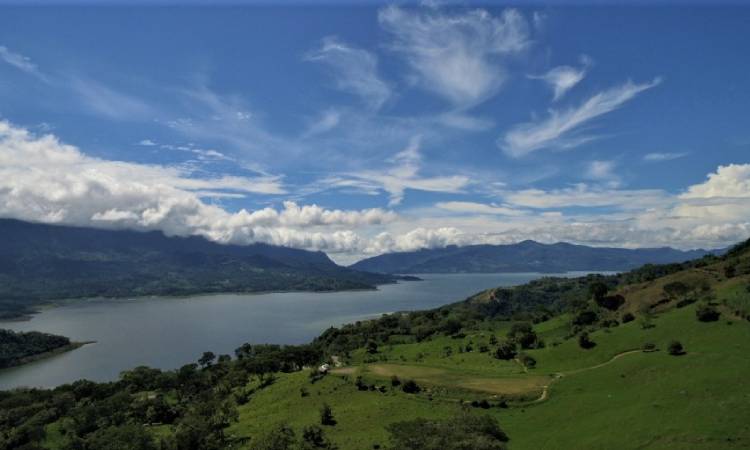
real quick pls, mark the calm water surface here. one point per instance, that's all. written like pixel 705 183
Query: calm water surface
pixel 169 332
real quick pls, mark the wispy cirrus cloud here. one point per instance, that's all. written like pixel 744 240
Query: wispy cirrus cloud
pixel 355 70
pixel 111 103
pixel 663 156
pixel 402 174
pixel 463 207
pixel 556 130
pixel 563 78
pixel 458 56
pixel 21 62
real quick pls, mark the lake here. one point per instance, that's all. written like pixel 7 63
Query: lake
pixel 170 332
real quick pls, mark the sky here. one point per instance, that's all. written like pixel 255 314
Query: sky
pixel 381 127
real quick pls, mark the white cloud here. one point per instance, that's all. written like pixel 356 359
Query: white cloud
pixel 147 143
pixel 563 78
pixel 44 180
pixel 583 195
pixel 479 208
pixel 657 157
pixel 327 121
pixel 402 175
pixel 554 131
pixel 458 56
pixel 356 70
pixel 732 181
pixel 20 62
pixel 108 102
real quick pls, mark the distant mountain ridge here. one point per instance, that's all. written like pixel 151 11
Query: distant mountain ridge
pixel 526 256
pixel 40 262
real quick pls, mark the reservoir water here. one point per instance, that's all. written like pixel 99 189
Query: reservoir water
pixel 170 332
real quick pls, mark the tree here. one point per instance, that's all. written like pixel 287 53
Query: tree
pixel 611 302
pixel 313 438
pixel 411 387
pixel 585 342
pixel 597 290
pixel 707 313
pixel 493 340
pixel 523 333
pixel 585 318
pixel 675 348
pixel 279 438
pixel 506 350
pixel 463 432
pixel 395 381
pixel 207 359
pixel 130 437
pixel 326 416
pixel 372 347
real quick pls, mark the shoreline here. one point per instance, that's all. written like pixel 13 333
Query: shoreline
pixel 64 302
pixel 48 354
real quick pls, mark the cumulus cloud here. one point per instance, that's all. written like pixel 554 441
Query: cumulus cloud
pixel 355 69
pixel 727 182
pixel 459 56
pixel 44 180
pixel 402 175
pixel 554 132
pixel 563 78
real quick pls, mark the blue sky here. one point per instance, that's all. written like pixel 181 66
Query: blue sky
pixel 381 127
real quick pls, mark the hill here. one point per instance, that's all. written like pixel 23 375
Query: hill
pixel 653 358
pixel 40 263
pixel 18 348
pixel 526 256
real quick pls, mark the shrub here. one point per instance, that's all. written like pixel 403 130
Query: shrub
pixel 527 360
pixel 675 348
pixel 707 313
pixel 395 381
pixel 585 318
pixel 467 431
pixel 648 347
pixel 326 416
pixel 411 387
pixel 506 350
pixel 611 302
pixel 585 342
pixel 628 317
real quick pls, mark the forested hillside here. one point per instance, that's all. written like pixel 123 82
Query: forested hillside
pixel 661 351
pixel 40 263
pixel 527 256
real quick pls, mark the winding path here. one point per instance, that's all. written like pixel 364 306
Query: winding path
pixel 557 376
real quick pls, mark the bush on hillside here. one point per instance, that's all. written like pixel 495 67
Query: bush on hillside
pixel 611 302
pixel 411 387
pixel 326 416
pixel 675 348
pixel 466 431
pixel 506 350
pixel 707 313
pixel 628 317
pixel 585 318
pixel 585 342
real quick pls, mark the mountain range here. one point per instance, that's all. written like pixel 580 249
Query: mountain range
pixel 526 256
pixel 41 263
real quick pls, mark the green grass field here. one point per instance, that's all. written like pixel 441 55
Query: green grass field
pixel 700 400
